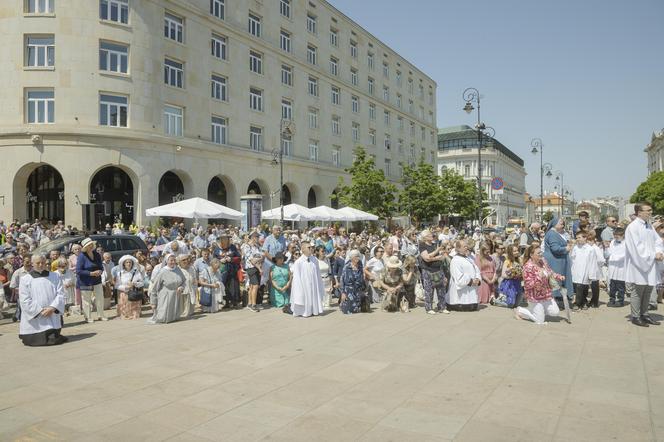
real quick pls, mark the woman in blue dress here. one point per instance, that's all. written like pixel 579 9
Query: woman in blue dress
pixel 556 254
pixel 281 277
pixel 353 285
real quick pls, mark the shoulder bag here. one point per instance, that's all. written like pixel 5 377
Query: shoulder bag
pixel 206 292
pixel 134 294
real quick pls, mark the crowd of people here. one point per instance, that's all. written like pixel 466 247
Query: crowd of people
pixel 308 272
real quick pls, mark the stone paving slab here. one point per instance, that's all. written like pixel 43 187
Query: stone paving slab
pixel 369 377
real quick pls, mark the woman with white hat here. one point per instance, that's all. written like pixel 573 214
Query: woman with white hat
pixel 129 284
pixel 392 283
pixel 89 268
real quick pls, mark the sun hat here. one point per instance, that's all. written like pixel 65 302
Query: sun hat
pixel 86 242
pixel 393 262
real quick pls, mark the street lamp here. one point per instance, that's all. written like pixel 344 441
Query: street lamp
pixel 538 146
pixel 470 96
pixel 561 177
pixel 286 129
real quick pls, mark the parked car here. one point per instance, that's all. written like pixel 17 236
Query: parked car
pixel 116 245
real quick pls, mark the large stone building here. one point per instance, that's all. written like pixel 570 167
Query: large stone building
pixel 457 150
pixel 655 151
pixel 109 107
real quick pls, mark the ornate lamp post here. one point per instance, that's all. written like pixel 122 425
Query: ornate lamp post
pixel 287 129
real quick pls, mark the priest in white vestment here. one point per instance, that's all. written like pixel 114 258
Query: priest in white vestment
pixel 465 278
pixel 307 289
pixel 42 299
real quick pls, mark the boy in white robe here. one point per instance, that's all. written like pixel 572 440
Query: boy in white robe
pixel 615 255
pixel 584 265
pixel 42 300
pixel 307 289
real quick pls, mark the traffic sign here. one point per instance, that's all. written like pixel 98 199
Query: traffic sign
pixel 497 183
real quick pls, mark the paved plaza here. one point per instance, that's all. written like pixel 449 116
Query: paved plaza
pixel 374 377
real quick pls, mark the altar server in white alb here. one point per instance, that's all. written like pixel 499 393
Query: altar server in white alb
pixel 42 299
pixel 641 257
pixel 465 278
pixel 307 289
pixel 615 255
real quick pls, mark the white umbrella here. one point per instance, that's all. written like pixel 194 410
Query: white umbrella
pixel 358 214
pixel 331 214
pixel 292 212
pixel 194 208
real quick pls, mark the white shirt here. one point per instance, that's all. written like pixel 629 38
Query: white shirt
pixel 640 240
pixel 36 294
pixel 616 255
pixel 462 271
pixel 584 264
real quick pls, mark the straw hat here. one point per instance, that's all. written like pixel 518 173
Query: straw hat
pixel 393 262
pixel 86 242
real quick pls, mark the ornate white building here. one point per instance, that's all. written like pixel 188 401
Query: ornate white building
pixel 109 107
pixel 655 151
pixel 457 150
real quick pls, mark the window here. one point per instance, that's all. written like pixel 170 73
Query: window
pixel 40 50
pixel 256 99
pixel 400 123
pixel 336 95
pixel 311 54
pixel 334 66
pixel 284 8
pixel 173 27
pixel 173 120
pixel 173 73
pixel 423 133
pixel 386 70
pixel 254 25
pixel 286 109
pixel 336 156
pixel 370 60
pixel 256 138
pixel 355 103
pixel 431 98
pixel 113 57
pixel 421 113
pixel 219 46
pixel 356 132
pixel 113 110
pixel 286 75
pixel 370 82
pixel 219 128
pixel 388 170
pixel 410 86
pixel 372 111
pixel 285 41
pixel 386 116
pixel 398 78
pixel 386 93
pixel 466 170
pixel 114 10
pixel 410 106
pixel 256 62
pixel 387 143
pixel 218 8
pixel 336 125
pixel 311 23
pixel 412 129
pixel 372 137
pixel 313 150
pixel 40 6
pixel 421 91
pixel 313 118
pixel 286 145
pixel 400 145
pixel 353 76
pixel 399 101
pixel 353 49
pixel 219 87
pixel 334 37
pixel 40 106
pixel 313 86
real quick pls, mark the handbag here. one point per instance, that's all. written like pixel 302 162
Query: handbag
pixel 206 293
pixel 134 294
pixel 437 277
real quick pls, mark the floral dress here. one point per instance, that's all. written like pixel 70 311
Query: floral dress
pixel 354 286
pixel 510 286
pixel 536 281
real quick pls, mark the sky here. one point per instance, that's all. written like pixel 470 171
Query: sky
pixel 585 76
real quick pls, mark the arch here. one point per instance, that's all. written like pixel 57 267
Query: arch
pixel 112 197
pixel 171 188
pixel 42 189
pixel 258 186
pixel 254 188
pixel 311 198
pixel 217 191
pixel 287 198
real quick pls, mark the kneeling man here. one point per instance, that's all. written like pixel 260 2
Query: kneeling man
pixel 42 299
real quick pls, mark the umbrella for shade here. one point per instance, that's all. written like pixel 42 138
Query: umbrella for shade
pixel 331 214
pixel 358 214
pixel 292 212
pixel 194 208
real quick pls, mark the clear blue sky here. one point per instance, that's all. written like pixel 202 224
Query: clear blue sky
pixel 585 76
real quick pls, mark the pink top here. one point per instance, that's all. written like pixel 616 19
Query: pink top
pixel 536 280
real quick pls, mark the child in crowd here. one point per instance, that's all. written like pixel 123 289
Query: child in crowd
pixel 596 272
pixel 584 264
pixel 615 254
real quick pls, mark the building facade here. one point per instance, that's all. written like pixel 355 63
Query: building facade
pixel 554 203
pixel 109 107
pixel 457 150
pixel 655 152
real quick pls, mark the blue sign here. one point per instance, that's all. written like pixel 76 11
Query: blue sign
pixel 497 183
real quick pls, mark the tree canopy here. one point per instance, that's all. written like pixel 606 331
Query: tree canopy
pixel 652 191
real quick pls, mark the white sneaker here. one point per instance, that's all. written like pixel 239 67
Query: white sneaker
pixel 431 312
pixel 445 311
pixel 104 318
pixel 90 321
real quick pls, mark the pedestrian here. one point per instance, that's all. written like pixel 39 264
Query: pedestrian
pixel 616 259
pixel 128 283
pixel 165 291
pixel 465 278
pixel 281 279
pixel 353 284
pixel 307 287
pixel 537 276
pixel 431 263
pixel 89 268
pixel 487 266
pixel 556 253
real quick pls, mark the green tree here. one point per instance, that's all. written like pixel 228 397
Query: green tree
pixel 422 196
pixel 652 191
pixel 548 216
pixel 368 190
pixel 459 195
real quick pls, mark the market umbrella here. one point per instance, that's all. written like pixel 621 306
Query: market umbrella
pixel 358 214
pixel 292 212
pixel 331 214
pixel 194 208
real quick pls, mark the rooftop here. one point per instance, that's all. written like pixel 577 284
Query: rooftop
pixel 465 132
